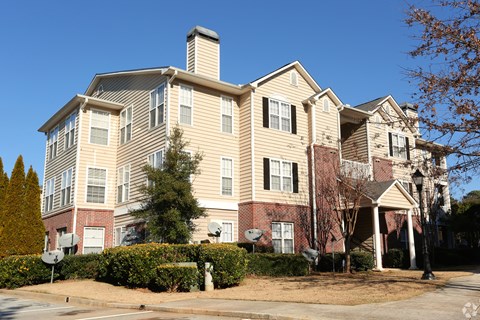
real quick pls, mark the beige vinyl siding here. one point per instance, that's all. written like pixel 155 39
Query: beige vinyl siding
pixel 65 159
pixel 205 136
pixel 191 55
pixel 135 91
pixel 394 198
pixel 326 124
pixel 207 57
pixel 216 215
pixel 276 144
pixel 245 149
pixel 98 156
pixel 354 142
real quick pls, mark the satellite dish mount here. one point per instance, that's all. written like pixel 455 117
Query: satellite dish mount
pixel 215 230
pixel 253 235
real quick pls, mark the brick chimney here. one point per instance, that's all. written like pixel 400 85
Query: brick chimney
pixel 203 52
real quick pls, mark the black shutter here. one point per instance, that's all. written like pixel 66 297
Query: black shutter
pixel 390 146
pixel 266 173
pixel 295 177
pixel 265 112
pixel 407 145
pixel 294 119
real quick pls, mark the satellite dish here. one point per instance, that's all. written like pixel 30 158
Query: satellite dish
pixel 53 257
pixel 310 254
pixel 253 234
pixel 215 229
pixel 68 240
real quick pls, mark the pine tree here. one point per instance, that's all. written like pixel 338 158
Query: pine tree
pixel 13 210
pixel 32 231
pixel 3 190
pixel 169 206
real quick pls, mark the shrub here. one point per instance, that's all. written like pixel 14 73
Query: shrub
pixel 18 271
pixel 277 265
pixel 396 258
pixel 360 261
pixel 325 262
pixel 259 248
pixel 84 266
pixel 173 278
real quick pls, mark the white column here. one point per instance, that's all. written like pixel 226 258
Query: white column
pixel 411 240
pixel 376 236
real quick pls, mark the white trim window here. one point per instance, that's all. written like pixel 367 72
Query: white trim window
pixel 66 188
pixel 399 149
pixel 123 184
pixel 227 176
pixel 70 130
pixel 49 192
pixel 93 239
pixel 326 105
pixel 227 232
pixel 279 115
pixel 53 143
pixel 185 113
pixel 227 114
pixel 155 160
pixel 281 175
pixel 60 233
pixel 99 127
pixel 282 237
pixel 96 185
pixel 157 106
pixel 126 125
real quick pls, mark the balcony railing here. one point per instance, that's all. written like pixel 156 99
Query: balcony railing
pixel 355 170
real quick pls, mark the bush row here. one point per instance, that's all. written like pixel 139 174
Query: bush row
pixel 276 265
pixel 360 261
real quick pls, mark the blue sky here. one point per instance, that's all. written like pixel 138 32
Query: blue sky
pixel 50 51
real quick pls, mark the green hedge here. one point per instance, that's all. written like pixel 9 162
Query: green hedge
pixel 277 265
pixel 396 258
pixel 79 267
pixel 173 278
pixel 259 248
pixel 360 261
pixel 19 271
pixel 136 266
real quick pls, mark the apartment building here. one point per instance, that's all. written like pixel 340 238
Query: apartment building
pixel 265 144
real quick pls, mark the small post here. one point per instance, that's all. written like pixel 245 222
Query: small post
pixel 208 276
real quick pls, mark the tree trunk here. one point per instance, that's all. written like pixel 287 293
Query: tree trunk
pixel 347 254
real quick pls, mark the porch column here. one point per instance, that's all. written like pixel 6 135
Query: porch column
pixel 376 236
pixel 411 240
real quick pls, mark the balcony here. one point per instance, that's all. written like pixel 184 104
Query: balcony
pixel 355 170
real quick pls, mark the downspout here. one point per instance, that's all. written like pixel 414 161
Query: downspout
pixel 167 109
pixel 77 164
pixel 367 126
pixel 314 188
pixel 252 139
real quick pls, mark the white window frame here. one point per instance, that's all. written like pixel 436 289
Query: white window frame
pixel 225 115
pixel 282 176
pixel 224 175
pixel 60 232
pixel 280 115
pixel 326 105
pixel 49 195
pixel 185 104
pixel 66 187
pixel 84 238
pixel 123 184
pixel 294 78
pixel 120 233
pixel 399 151
pixel 53 143
pixel 154 161
pixel 107 128
pixel 70 124
pixel 126 125
pixel 96 185
pixel 156 111
pixel 283 236
pixel 223 235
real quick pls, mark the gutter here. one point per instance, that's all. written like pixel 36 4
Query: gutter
pixel 77 163
pixel 314 177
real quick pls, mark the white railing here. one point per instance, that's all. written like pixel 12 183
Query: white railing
pixel 355 170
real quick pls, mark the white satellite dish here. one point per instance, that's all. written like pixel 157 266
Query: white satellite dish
pixel 68 240
pixel 310 254
pixel 215 229
pixel 253 234
pixel 53 257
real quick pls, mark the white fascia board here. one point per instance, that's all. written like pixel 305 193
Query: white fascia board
pixel 218 204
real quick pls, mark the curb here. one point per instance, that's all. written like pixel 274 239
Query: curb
pixel 98 303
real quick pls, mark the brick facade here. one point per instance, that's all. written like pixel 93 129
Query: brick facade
pixel 58 221
pixel 382 169
pixel 95 218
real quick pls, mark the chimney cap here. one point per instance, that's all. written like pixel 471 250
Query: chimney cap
pixel 407 106
pixel 199 30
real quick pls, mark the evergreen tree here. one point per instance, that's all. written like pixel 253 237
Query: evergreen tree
pixel 31 230
pixel 169 206
pixel 3 190
pixel 13 210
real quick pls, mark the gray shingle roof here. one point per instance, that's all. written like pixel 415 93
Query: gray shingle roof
pixel 374 190
pixel 371 105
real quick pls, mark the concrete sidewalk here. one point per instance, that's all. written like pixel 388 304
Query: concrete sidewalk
pixel 442 304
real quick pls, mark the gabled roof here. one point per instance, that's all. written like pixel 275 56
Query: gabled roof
pixel 371 106
pixel 329 92
pixel 378 192
pixel 298 66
